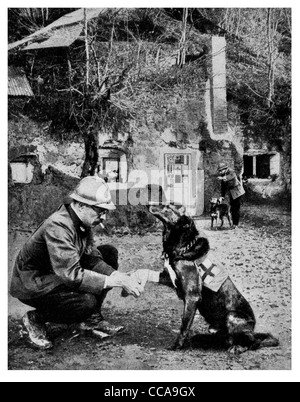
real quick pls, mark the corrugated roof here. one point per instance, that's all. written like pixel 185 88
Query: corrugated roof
pixel 77 16
pixel 72 18
pixel 61 37
pixel 18 84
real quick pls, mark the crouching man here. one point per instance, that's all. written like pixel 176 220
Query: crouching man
pixel 62 276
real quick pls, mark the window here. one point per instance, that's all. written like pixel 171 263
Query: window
pixel 261 166
pixel 22 168
pixel 22 172
pixel 112 169
pixel 112 165
pixel 248 166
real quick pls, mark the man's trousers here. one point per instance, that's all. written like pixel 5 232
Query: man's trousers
pixel 66 306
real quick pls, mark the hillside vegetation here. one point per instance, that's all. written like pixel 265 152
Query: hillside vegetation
pixel 120 69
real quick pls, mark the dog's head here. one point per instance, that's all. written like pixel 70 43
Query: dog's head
pixel 216 204
pixel 215 201
pixel 181 239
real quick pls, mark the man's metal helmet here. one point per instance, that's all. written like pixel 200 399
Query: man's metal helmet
pixel 93 191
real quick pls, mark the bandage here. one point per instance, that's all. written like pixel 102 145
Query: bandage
pixel 153 276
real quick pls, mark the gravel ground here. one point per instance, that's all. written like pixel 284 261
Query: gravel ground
pixel 258 256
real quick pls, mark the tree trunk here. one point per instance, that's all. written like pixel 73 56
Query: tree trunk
pixel 182 44
pixel 87 51
pixel 91 143
pixel 271 56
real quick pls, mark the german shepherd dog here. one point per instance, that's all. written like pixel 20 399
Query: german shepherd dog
pixel 218 211
pixel 224 307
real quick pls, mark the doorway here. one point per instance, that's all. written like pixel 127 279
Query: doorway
pixel 111 168
pixel 178 178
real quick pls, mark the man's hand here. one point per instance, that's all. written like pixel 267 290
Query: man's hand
pixel 130 284
pixel 142 276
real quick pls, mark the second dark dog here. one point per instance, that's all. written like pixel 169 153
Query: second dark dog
pixel 205 286
pixel 218 211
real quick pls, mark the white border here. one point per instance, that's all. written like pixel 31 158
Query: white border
pixel 140 376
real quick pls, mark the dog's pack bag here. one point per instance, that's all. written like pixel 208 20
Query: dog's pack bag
pixel 213 276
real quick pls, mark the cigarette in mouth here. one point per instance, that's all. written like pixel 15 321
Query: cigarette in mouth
pixel 104 228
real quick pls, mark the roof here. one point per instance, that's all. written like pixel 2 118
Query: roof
pixel 18 84
pixel 62 32
pixel 61 37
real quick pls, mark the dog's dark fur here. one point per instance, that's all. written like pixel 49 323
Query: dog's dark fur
pixel 218 211
pixel 227 311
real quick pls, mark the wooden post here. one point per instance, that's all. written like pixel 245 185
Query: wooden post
pixel 254 165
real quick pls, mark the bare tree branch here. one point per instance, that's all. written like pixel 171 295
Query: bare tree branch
pixel 87 51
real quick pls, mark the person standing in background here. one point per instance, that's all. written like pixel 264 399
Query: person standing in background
pixel 232 185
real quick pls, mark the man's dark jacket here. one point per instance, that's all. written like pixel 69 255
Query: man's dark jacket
pixel 231 183
pixel 52 257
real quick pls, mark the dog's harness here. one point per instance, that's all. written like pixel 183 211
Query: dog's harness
pixel 212 276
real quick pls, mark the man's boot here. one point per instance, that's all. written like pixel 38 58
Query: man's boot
pixel 98 323
pixel 36 330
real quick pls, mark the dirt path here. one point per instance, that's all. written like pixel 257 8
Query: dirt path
pixel 258 257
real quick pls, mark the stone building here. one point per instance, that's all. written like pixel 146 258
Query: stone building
pixel 182 154
pixel 178 148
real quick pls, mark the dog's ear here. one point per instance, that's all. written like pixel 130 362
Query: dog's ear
pixel 159 211
pixel 179 211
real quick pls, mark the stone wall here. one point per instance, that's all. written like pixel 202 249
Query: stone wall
pixel 27 136
pixel 30 204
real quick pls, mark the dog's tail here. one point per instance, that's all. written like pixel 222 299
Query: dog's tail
pixel 264 340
